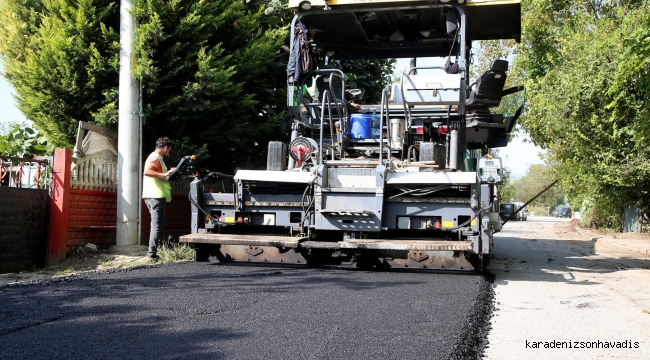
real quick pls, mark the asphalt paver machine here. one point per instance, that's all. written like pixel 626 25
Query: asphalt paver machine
pixel 406 182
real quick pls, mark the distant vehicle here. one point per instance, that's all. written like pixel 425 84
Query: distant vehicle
pixel 506 210
pixel 563 212
pixel 521 214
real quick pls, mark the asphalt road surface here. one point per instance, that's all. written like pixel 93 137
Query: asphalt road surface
pixel 197 310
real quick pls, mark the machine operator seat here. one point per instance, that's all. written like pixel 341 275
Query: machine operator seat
pixel 323 83
pixel 487 91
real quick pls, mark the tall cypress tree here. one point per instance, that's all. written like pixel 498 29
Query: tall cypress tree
pixel 213 73
pixel 60 57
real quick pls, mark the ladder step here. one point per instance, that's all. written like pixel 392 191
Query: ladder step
pixel 250 240
pixel 342 212
pixel 410 245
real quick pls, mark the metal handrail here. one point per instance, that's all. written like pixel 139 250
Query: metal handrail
pixel 42 178
pixel 326 97
pixel 336 101
pixel 384 103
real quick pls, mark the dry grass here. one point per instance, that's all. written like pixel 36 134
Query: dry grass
pixel 175 252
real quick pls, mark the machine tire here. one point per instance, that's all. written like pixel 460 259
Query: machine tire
pixel 366 262
pixel 201 253
pixel 484 262
pixel 480 262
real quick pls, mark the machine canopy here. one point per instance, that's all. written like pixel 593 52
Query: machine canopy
pixel 402 29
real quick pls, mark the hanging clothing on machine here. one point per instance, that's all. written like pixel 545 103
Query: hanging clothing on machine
pixel 301 60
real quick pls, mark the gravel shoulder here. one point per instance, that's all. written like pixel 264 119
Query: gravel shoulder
pixel 83 262
pixel 563 292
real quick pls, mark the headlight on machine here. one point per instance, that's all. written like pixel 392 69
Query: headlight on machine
pixel 305 5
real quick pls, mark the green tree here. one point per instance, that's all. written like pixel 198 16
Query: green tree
pixel 209 71
pixel 213 73
pixel 536 179
pixel 20 140
pixel 587 83
pixel 371 75
pixel 507 190
pixel 60 56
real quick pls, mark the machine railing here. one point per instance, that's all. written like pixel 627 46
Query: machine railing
pixel 326 101
pixel 329 97
pixel 384 105
pixel 25 173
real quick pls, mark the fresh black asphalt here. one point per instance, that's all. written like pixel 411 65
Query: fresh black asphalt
pixel 197 310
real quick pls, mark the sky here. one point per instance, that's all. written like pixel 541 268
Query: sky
pixel 8 110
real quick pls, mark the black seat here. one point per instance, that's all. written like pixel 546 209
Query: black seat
pixel 323 83
pixel 488 90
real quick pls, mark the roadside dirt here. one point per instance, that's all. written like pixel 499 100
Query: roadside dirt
pixel 614 244
pixel 101 260
pixel 572 230
pixel 76 263
pixel 557 283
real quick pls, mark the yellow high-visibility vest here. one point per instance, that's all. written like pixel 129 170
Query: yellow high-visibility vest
pixel 154 188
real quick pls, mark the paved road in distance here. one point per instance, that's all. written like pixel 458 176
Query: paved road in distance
pixel 197 310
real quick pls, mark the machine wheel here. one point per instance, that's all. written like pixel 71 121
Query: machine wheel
pixel 480 262
pixel 202 252
pixel 367 262
pixel 484 261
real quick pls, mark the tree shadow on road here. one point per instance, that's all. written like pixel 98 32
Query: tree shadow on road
pixel 559 260
pixel 195 310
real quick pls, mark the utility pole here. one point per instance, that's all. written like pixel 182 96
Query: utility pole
pixel 128 134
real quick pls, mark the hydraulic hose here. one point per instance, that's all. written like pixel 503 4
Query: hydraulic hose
pixel 473 217
pixel 216 175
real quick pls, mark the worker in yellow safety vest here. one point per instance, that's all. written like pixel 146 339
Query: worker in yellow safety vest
pixel 156 191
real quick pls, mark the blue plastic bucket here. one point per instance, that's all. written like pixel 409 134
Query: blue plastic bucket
pixel 360 126
pixel 375 125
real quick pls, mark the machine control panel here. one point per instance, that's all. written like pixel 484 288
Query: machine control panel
pixel 490 170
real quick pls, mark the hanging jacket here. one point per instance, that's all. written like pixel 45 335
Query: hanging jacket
pixel 301 60
pixel 306 56
pixel 294 67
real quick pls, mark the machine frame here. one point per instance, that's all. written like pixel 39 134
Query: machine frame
pixel 421 193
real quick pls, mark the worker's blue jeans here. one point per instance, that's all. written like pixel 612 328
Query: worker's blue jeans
pixel 157 210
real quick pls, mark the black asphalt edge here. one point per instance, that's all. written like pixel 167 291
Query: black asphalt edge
pixel 472 341
pixel 92 273
pixel 74 277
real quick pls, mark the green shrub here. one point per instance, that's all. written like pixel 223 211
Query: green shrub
pixel 175 252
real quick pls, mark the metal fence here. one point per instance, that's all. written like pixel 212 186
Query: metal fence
pixel 25 189
pixel 25 173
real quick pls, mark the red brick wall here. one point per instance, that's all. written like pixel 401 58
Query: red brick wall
pixel 91 218
pixel 177 219
pixel 93 214
pixel 79 217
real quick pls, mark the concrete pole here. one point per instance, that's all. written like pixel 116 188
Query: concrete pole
pixel 128 134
